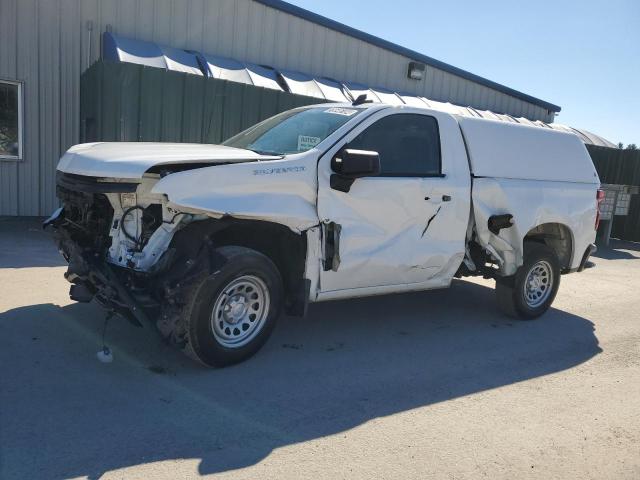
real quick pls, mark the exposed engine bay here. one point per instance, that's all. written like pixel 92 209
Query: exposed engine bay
pixel 116 237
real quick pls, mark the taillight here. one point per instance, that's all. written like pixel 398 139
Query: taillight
pixel 599 199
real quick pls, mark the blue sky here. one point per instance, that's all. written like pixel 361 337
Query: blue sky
pixel 583 56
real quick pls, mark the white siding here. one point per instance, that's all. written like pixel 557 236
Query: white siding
pixel 47 45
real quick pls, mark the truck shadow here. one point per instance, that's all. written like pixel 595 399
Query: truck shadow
pixel 619 250
pixel 347 363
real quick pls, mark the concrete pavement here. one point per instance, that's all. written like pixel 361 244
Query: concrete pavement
pixel 425 385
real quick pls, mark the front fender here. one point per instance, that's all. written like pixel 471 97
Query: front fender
pixel 281 191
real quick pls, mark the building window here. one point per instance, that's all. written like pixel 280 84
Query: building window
pixel 10 120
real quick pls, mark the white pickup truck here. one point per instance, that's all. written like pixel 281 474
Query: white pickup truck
pixel 211 242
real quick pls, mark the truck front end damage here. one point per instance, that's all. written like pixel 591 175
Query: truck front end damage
pixel 139 254
pixel 209 242
pixel 117 238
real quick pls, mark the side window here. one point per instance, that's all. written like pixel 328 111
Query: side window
pixel 408 145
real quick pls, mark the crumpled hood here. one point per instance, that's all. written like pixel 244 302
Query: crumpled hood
pixel 132 159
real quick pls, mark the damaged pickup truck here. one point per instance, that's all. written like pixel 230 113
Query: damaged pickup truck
pixel 211 242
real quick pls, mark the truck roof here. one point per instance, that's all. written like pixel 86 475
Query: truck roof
pixel 512 150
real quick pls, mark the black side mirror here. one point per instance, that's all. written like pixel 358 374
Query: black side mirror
pixel 350 164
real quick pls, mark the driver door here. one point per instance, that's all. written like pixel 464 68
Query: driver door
pixel 404 228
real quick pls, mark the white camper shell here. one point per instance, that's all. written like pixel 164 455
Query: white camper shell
pixel 331 201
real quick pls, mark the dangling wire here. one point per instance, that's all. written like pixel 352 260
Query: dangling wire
pixel 107 317
pixel 105 355
pixel 136 240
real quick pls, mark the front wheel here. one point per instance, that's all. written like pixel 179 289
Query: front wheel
pixel 234 310
pixel 533 288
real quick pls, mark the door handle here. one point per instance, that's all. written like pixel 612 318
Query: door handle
pixel 445 198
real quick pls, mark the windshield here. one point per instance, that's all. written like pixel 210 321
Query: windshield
pixel 293 131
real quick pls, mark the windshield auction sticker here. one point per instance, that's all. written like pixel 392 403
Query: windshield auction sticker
pixel 305 142
pixel 341 111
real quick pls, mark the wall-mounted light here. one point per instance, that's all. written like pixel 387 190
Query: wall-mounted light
pixel 416 70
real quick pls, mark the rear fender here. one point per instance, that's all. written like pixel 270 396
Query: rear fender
pixel 532 203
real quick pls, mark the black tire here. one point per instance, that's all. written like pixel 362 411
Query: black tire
pixel 511 293
pixel 202 344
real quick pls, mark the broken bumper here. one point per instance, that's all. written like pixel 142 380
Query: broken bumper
pixel 91 277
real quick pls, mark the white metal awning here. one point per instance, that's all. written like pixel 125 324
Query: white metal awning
pixel 122 49
pixel 301 84
pixel 181 60
pixel 357 89
pixel 387 96
pixel 228 69
pixel 414 101
pixel 263 76
pixel 332 90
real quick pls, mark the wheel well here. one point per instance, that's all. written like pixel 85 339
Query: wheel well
pixel 286 249
pixel 557 237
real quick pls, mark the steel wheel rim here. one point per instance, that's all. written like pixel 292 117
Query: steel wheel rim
pixel 538 284
pixel 240 311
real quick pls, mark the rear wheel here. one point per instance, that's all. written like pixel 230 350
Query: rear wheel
pixel 234 310
pixel 531 291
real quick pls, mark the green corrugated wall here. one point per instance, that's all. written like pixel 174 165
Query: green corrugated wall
pixel 128 102
pixel 621 167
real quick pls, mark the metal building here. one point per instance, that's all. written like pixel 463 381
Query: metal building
pixel 45 45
